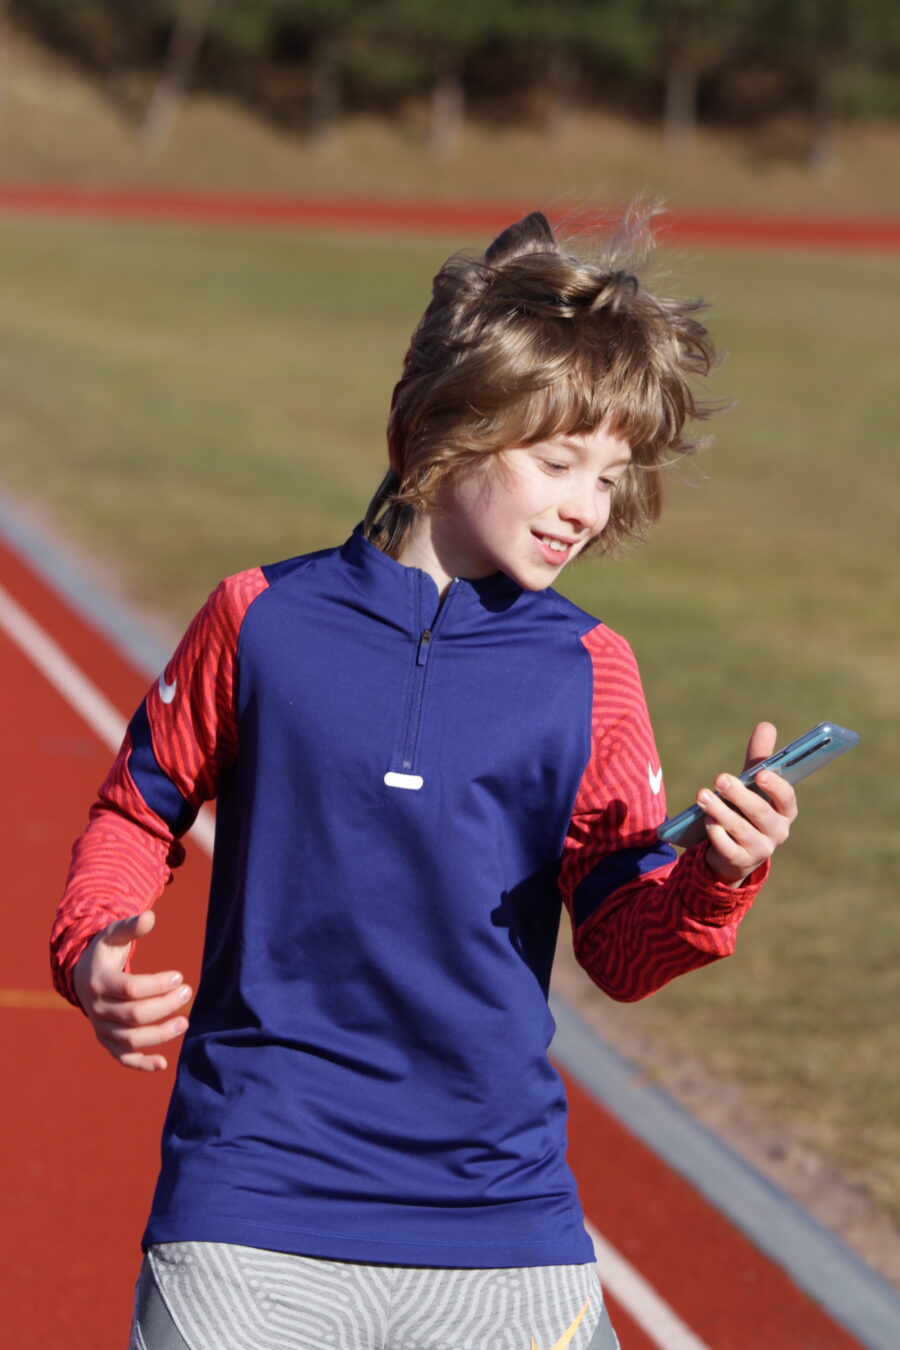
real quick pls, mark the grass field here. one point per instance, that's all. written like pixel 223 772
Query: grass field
pixel 187 403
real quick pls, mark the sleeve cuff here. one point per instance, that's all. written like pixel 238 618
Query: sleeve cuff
pixel 711 901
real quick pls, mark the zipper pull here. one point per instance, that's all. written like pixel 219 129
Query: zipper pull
pixel 424 644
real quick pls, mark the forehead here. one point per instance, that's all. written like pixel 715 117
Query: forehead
pixel 599 446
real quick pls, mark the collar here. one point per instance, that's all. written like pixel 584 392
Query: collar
pixel 495 592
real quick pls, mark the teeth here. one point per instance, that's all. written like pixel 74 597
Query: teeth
pixel 555 544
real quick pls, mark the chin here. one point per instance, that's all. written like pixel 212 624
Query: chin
pixel 534 581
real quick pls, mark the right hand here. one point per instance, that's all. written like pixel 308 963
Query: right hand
pixel 129 1012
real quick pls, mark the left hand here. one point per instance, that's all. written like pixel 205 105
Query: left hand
pixel 740 840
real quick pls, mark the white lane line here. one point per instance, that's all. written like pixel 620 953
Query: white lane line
pixel 61 672
pixel 652 1314
pixel 643 1304
pixel 79 692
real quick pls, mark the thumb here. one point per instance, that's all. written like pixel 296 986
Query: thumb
pixel 761 744
pixel 122 932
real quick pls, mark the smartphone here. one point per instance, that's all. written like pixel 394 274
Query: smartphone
pixel 795 761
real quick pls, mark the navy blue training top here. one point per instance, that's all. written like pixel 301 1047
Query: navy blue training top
pixel 405 789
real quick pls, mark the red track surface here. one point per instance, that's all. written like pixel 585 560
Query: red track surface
pixel 690 227
pixel 80 1134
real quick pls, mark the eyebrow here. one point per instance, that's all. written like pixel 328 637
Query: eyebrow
pixel 568 444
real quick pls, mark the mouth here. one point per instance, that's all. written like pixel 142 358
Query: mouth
pixel 554 550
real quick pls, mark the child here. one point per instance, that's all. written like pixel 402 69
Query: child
pixel 419 753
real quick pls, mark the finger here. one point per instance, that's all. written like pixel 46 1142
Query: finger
pixel 122 932
pixel 147 1063
pixel 108 986
pixel 779 792
pixel 142 1012
pixel 120 1040
pixel 761 744
pixel 766 809
pixel 729 849
pixel 755 806
pixel 125 986
pixel 738 825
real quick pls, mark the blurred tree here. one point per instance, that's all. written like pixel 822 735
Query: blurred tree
pixel 189 27
pixel 572 39
pixel 692 38
pixel 5 39
pixel 325 25
pixel 307 35
pixel 111 40
pixel 440 35
pixel 247 29
pixel 617 47
pixel 288 55
pixel 824 41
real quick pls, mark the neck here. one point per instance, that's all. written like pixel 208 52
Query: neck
pixel 420 549
pixel 432 547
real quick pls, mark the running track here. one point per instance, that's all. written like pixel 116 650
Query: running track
pixel 81 1134
pixel 853 233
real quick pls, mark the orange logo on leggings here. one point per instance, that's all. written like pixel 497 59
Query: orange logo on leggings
pixel 566 1337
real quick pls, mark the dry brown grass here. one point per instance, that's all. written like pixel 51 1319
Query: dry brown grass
pixel 55 127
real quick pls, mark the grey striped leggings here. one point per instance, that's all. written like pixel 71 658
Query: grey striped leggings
pixel 213 1296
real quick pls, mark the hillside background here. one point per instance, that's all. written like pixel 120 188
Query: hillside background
pixel 756 104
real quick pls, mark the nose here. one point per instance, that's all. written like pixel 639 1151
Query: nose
pixel 583 509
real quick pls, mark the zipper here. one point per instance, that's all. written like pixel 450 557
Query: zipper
pixel 413 724
pixel 414 715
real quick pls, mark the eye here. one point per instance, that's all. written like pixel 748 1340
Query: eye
pixel 554 466
pixel 608 482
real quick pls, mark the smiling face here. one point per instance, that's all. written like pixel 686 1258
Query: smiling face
pixel 527 513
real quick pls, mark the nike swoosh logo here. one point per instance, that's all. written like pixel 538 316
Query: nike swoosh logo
pixel 566 1337
pixel 655 779
pixel 167 691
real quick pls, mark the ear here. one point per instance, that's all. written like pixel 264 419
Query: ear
pixel 532 234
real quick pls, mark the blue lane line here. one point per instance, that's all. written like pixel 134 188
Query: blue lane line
pixel 817 1261
pixel 50 560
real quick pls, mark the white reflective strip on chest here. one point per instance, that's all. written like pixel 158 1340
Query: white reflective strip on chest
pixel 411 781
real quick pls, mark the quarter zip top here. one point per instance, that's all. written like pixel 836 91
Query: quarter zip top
pixel 368 1044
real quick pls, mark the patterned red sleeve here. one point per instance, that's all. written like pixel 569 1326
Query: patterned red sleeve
pixel 639 916
pixel 178 744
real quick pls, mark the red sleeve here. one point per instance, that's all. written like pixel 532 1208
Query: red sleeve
pixel 639 916
pixel 180 741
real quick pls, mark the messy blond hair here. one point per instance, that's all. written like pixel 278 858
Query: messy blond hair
pixel 529 342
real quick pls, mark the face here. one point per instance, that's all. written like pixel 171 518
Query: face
pixel 533 512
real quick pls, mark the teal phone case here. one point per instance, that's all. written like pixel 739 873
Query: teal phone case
pixel 798 760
